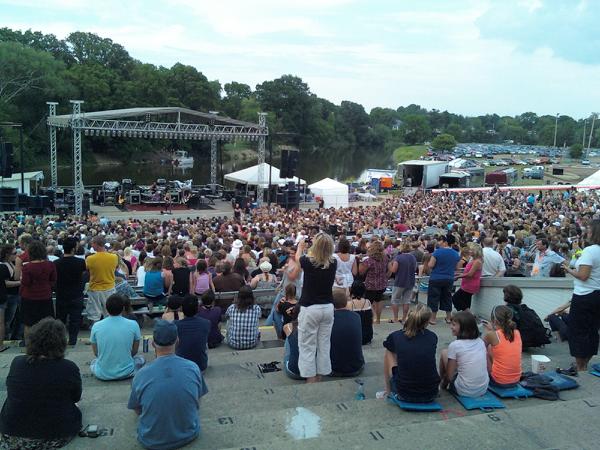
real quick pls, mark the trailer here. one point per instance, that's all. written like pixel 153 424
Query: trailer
pixel 422 174
pixel 456 179
pixel 504 177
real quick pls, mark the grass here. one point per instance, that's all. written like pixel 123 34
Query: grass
pixel 409 152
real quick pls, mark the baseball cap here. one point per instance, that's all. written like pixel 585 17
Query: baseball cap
pixel 165 333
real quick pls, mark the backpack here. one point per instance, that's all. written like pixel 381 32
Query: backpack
pixel 533 332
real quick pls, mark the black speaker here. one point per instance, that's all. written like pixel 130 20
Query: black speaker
pixel 293 199
pixel 6 159
pixel 293 158
pixel 557 171
pixel 285 158
pixel 9 198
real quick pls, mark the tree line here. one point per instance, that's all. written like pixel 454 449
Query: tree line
pixel 37 67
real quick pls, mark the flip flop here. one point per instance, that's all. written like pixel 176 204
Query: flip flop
pixel 432 323
pixel 5 347
pixel 448 321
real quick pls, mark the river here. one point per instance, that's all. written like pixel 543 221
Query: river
pixel 311 169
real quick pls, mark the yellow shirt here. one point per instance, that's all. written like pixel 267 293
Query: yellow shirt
pixel 101 267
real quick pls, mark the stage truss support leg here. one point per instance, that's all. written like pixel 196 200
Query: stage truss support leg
pixel 77 167
pixel 53 161
pixel 213 164
pixel 262 122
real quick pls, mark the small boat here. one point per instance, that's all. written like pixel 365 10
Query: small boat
pixel 181 158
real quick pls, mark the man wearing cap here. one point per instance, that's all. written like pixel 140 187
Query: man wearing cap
pixel 166 394
pixel 101 266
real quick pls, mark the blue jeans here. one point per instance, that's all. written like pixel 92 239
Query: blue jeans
pixel 12 303
pixel 286 360
pixel 275 318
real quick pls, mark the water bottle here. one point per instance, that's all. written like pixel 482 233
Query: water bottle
pixel 360 392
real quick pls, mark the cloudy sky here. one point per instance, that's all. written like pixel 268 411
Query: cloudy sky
pixel 466 56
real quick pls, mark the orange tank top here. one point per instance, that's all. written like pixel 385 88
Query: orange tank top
pixel 506 366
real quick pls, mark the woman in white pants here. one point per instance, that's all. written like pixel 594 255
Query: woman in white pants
pixel 315 320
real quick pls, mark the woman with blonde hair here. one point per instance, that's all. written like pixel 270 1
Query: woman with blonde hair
pixel 409 366
pixel 315 320
pixel 470 279
pixel 374 267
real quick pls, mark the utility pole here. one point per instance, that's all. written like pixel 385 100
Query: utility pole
pixel 555 129
pixel 591 134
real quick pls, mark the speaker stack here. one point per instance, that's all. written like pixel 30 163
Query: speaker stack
pixel 289 197
pixel 289 163
pixel 9 198
pixel 6 159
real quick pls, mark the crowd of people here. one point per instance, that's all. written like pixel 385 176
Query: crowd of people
pixel 330 270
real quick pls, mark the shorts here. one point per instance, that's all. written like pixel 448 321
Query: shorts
pixel 584 322
pixel 462 300
pixel 401 295
pixel 95 306
pixel 439 295
pixel 35 310
pixel 374 296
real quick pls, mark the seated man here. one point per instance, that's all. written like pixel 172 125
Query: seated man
pixel 193 333
pixel 166 394
pixel 346 339
pixel 115 342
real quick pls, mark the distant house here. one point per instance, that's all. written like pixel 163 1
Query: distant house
pixel 396 124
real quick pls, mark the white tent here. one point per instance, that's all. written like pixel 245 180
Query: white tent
pixel 333 193
pixel 249 176
pixel 591 182
pixel 28 177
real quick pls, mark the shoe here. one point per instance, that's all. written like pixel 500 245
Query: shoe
pixel 571 371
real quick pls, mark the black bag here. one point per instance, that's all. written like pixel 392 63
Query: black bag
pixel 533 332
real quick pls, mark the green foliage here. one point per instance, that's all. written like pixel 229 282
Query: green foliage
pixel 576 151
pixel 39 67
pixel 443 142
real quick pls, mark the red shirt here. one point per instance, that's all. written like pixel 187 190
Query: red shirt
pixel 37 280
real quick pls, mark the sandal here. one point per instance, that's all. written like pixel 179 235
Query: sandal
pixel 448 321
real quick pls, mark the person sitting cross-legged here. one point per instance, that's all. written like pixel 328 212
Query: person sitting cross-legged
pixel 193 333
pixel 346 339
pixel 115 342
pixel 409 361
pixel 166 394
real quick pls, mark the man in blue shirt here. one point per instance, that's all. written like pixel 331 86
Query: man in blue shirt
pixel 115 342
pixel 193 333
pixel 166 394
pixel 443 266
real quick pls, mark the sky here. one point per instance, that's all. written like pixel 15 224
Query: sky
pixel 466 56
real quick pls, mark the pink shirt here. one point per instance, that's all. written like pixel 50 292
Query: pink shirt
pixel 471 284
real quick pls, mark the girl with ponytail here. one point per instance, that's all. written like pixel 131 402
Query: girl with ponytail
pixel 504 346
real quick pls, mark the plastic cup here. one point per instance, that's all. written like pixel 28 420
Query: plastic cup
pixel 539 363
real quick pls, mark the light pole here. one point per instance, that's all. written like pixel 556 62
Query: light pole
pixel 555 129
pixel 591 133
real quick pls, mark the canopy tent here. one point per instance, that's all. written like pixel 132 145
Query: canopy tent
pixel 591 182
pixel 333 193
pixel 249 176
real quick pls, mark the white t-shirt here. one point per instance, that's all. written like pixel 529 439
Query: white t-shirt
pixel 140 274
pixel 471 363
pixel 492 262
pixel 589 257
pixel 343 273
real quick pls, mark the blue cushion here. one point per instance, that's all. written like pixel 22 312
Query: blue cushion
pixel 561 381
pixel 409 406
pixel 517 391
pixel 595 372
pixel 486 402
pixel 596 367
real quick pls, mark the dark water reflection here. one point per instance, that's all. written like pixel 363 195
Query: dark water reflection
pixel 311 168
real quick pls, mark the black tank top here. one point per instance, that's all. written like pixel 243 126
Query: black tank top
pixel 181 281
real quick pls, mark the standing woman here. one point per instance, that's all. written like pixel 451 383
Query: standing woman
pixel 37 278
pixel 374 267
pixel 8 255
pixel 315 320
pixel 346 269
pixel 471 279
pixel 584 317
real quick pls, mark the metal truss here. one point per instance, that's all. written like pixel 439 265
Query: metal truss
pixel 53 161
pixel 77 166
pixel 213 164
pixel 165 130
pixel 262 123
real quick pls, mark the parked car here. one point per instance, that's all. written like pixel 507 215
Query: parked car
pixel 585 162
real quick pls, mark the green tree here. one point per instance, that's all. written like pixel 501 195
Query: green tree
pixel 415 129
pixel 576 151
pixel 235 93
pixel 443 142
